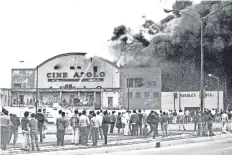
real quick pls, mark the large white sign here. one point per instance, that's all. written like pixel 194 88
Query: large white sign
pixel 190 99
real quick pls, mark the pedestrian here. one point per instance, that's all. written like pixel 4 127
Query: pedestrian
pixel 14 128
pixel 152 121
pixel 90 127
pixel 105 125
pixel 224 121
pixel 112 121
pixel 33 124
pixel 165 121
pixel 25 131
pixel 119 122
pixel 62 124
pixel 95 123
pixel 5 124
pixel 196 119
pixel 84 124
pixel 140 123
pixel 174 117
pixel 210 121
pixel 125 122
pixel 41 119
pixel 187 116
pixel 181 118
pixel 134 119
pixel 161 123
pixel 74 122
pixel 45 123
pixel 100 117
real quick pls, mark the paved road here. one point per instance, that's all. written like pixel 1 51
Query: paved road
pixel 218 147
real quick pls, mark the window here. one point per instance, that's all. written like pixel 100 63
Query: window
pixel 95 68
pixel 137 95
pixel 151 84
pixel 129 95
pixel 78 67
pixel 24 85
pixel 146 94
pixel 156 94
pixel 72 67
pixel 56 67
pixel 16 85
pixel 130 83
pixel 110 102
pixel 138 82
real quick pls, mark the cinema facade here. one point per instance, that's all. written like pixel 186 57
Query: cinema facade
pixel 72 79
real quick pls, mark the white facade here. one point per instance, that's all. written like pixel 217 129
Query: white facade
pixel 110 100
pixel 5 96
pixel 190 100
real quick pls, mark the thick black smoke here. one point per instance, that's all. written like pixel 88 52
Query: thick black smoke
pixel 177 47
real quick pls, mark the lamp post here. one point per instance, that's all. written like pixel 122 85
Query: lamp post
pixel 218 82
pixel 201 19
pixel 36 95
pixel 128 90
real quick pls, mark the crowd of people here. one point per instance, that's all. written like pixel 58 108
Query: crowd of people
pixel 98 124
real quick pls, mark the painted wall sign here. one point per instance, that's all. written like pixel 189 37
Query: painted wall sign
pixel 194 95
pixel 64 75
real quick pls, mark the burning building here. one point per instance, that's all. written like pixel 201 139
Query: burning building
pixel 72 79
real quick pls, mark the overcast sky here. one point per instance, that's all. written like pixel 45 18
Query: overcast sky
pixel 35 30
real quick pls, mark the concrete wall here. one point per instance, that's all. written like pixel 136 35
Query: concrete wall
pixel 147 74
pixel 190 99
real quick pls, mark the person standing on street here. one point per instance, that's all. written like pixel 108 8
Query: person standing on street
pixel 196 119
pixel 84 124
pixel 119 122
pixel 5 124
pixel 99 117
pixel 140 123
pixel 125 122
pixel 41 119
pixel 25 131
pixel 45 123
pixel 95 123
pixel 151 121
pixel 112 121
pixel 174 117
pixel 224 121
pixel 62 124
pixel 105 125
pixel 14 128
pixel 33 124
pixel 165 121
pixel 210 121
pixel 181 117
pixel 74 122
pixel 134 119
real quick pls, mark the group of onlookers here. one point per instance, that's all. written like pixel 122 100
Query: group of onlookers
pixel 98 124
pixel 31 128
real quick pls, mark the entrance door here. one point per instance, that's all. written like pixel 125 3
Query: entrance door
pixel 110 102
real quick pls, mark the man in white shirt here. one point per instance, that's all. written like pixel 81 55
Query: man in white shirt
pixel 95 122
pixel 224 120
pixel 125 120
pixel 100 118
pixel 84 123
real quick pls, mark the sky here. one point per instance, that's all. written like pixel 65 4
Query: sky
pixel 35 30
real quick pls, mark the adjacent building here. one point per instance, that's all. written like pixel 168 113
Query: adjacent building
pixel 5 97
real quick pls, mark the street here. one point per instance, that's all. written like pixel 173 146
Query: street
pixel 219 147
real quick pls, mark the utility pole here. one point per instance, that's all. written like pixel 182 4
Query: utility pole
pixel 128 90
pixel 36 95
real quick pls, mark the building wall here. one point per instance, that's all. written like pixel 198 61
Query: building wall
pixel 115 101
pixel 28 98
pixel 5 97
pixel 190 99
pixel 148 75
pixel 105 72
pixel 23 78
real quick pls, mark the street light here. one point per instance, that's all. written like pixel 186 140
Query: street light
pixel 201 19
pixel 217 78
